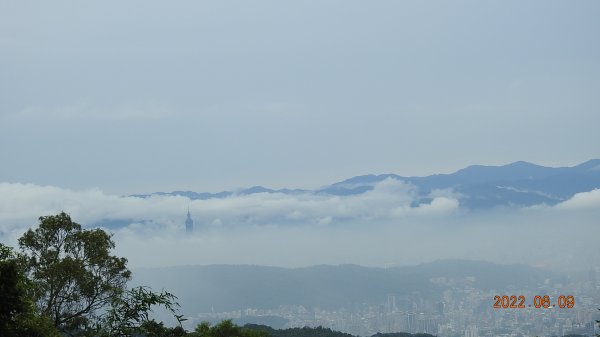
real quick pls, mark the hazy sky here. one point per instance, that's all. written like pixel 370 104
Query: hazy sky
pixel 140 96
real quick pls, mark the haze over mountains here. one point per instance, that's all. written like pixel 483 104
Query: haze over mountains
pixel 477 186
pixel 547 216
pixel 231 287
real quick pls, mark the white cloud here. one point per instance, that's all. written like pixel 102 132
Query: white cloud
pixel 376 227
pixel 584 200
pixel 21 204
pixel 90 113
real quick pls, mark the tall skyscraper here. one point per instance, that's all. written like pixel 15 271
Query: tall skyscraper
pixel 189 223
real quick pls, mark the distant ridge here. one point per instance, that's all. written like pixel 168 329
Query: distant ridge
pixel 231 287
pixel 517 184
pixel 322 332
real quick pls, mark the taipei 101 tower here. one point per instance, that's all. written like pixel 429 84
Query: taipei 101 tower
pixel 189 223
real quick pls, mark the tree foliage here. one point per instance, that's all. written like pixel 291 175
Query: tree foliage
pixel 157 329
pixel 18 315
pixel 74 284
pixel 299 332
pixel 225 329
pixel 73 273
pixel 130 313
pixel 11 293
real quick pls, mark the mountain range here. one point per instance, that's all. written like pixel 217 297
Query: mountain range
pixel 234 287
pixel 478 186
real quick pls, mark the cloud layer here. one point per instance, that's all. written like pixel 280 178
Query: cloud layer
pixel 21 204
pixel 380 227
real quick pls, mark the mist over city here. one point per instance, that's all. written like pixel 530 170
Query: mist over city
pixel 303 168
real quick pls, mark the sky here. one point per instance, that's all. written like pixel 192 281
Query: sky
pixel 143 96
pixel 101 100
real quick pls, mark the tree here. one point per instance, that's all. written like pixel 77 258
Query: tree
pixel 317 332
pixel 11 294
pixel 17 313
pixel 129 313
pixel 72 270
pixel 79 285
pixel 156 329
pixel 226 329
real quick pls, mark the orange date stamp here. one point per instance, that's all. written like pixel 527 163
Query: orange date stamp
pixel 519 302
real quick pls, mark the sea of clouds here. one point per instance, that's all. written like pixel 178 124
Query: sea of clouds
pixel 382 227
